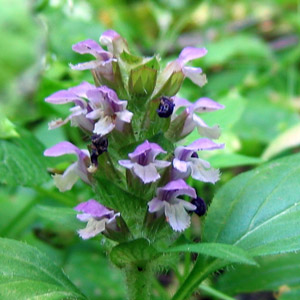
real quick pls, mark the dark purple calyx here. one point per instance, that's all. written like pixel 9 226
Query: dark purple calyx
pixel 98 146
pixel 165 108
pixel 200 206
pixel 195 154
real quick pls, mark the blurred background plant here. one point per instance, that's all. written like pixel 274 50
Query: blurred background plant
pixel 252 67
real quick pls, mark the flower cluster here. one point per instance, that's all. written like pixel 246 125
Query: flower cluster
pixel 133 105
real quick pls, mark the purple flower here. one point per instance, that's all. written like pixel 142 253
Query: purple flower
pixel 102 66
pixel 76 95
pixel 77 170
pixel 97 216
pixel 192 120
pixel 113 41
pixel 143 163
pixel 97 109
pixel 167 202
pixel 194 74
pixel 107 110
pixel 179 65
pixel 186 163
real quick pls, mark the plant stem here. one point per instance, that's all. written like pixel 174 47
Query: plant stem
pixel 213 292
pixel 138 281
pixel 200 271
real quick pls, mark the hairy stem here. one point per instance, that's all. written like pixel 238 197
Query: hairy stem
pixel 138 281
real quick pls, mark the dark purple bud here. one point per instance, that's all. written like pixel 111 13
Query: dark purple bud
pixel 94 157
pixel 195 154
pixel 100 143
pixel 98 146
pixel 165 108
pixel 201 206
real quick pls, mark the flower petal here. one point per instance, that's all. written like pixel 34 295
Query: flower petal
pixel 180 165
pixel 73 94
pixel 146 146
pixel 156 205
pixel 108 37
pixel 126 164
pixel 194 74
pixel 104 126
pixel 175 188
pixel 206 105
pixel 66 181
pixel 93 208
pixel 95 114
pixel 57 123
pixel 190 53
pixel 114 42
pixel 160 164
pixel 82 122
pixel 124 116
pixel 213 132
pixel 92 228
pixel 90 65
pixel 180 102
pixel 203 144
pixel 63 148
pixel 188 206
pixel 200 172
pixel 177 216
pixel 146 173
pixel 87 46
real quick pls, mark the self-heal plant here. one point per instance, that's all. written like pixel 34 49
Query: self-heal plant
pixel 132 111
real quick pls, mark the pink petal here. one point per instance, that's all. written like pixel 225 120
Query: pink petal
pixel 190 53
pixel 94 208
pixel 62 148
pixel 206 105
pixel 87 46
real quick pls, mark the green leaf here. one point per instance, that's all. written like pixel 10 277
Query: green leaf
pixel 225 50
pixel 258 210
pixel 90 269
pixel 262 120
pixel 223 251
pixel 274 272
pixel 63 216
pixel 284 141
pixel 137 252
pixel 22 161
pixel 229 160
pixel 27 273
pixel 7 128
